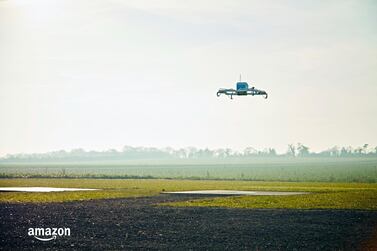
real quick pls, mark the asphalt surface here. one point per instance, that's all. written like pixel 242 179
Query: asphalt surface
pixel 138 224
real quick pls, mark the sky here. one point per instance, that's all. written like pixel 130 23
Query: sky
pixel 99 74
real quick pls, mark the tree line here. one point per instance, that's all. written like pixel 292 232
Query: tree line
pixel 129 152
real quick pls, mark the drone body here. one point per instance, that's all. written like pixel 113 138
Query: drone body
pixel 242 89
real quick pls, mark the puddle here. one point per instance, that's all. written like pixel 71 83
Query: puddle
pixel 42 189
pixel 235 192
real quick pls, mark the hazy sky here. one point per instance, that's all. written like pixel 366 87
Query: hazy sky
pixel 104 74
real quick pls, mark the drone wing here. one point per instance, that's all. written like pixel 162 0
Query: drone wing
pixel 229 92
pixel 253 91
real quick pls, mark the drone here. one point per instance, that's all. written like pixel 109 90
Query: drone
pixel 242 89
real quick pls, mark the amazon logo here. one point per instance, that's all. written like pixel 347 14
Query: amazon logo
pixel 48 234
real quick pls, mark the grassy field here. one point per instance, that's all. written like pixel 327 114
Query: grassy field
pixel 352 199
pixel 256 169
pixel 324 195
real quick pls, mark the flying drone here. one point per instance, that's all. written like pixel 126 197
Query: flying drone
pixel 242 89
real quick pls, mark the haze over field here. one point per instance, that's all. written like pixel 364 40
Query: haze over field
pixel 104 74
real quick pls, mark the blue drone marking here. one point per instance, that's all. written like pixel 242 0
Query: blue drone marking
pixel 242 90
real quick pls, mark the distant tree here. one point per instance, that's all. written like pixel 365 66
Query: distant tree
pixel 334 151
pixel 291 150
pixel 302 150
pixel 111 152
pixel 358 151
pixel 191 152
pixel 168 150
pixel 272 152
pixel 77 151
pixel 181 153
pixel 207 153
pixel 218 153
pixel 365 148
pixel 249 151
pixel 331 152
pixel 126 149
pixel 227 152
pixel 345 152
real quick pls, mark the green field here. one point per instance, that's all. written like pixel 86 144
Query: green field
pixel 341 183
pixel 362 169
pixel 324 195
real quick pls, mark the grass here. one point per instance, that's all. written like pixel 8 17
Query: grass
pixel 257 169
pixel 323 196
pixel 363 200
